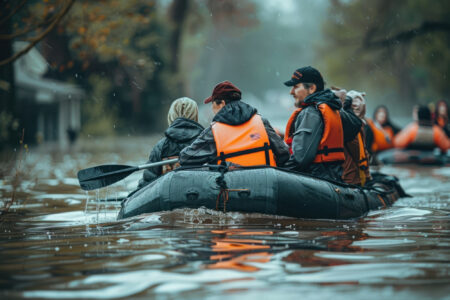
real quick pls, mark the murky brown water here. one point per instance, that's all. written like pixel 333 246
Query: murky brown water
pixel 58 242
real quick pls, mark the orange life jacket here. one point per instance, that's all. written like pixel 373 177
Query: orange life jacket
pixel 363 162
pixel 417 136
pixel 389 131
pixel 356 165
pixel 381 140
pixel 331 146
pixel 441 121
pixel 424 138
pixel 246 144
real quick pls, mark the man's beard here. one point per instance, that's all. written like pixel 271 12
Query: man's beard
pixel 298 103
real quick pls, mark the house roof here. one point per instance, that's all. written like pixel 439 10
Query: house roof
pixel 28 72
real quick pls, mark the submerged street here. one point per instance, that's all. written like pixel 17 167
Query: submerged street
pixel 59 242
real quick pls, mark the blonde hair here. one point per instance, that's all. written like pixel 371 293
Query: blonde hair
pixel 183 107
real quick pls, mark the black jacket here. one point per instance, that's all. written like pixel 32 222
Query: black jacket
pixel 179 135
pixel 308 132
pixel 203 149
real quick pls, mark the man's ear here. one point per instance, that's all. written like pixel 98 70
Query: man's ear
pixel 313 88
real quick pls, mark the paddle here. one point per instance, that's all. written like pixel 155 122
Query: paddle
pixel 101 176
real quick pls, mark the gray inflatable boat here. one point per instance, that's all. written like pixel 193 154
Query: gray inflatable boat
pixel 261 190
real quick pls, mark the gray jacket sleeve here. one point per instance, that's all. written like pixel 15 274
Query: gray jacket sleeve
pixel 201 151
pixel 278 146
pixel 307 135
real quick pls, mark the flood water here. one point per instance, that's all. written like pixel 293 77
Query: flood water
pixel 59 242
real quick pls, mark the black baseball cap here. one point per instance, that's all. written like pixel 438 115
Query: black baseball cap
pixel 306 75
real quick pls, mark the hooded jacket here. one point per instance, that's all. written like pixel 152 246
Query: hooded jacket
pixel 203 149
pixel 180 134
pixel 356 165
pixel 308 131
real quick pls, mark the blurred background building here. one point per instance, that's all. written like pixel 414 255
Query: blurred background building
pixel 50 110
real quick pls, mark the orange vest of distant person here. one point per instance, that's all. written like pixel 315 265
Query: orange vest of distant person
pixel 422 137
pixel 381 140
pixel 331 146
pixel 356 165
pixel 389 131
pixel 441 121
pixel 246 144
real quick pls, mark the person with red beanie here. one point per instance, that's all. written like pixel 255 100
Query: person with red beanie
pixel 237 136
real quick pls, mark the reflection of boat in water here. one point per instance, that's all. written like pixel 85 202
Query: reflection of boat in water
pixel 237 249
pixel 261 190
pixel 410 156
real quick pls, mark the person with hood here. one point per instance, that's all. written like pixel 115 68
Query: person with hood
pixel 442 116
pixel 381 116
pixel 356 166
pixel 318 128
pixel 183 130
pixel 237 135
pixel 376 139
pixel 422 134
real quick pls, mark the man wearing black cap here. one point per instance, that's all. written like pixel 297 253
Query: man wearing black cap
pixel 237 135
pixel 316 130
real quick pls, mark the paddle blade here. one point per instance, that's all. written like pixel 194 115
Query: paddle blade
pixel 101 176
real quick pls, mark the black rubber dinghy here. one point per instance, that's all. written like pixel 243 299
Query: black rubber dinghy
pixel 261 190
pixel 412 156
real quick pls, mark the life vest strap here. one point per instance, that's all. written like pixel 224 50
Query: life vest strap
pixel 363 164
pixel 325 150
pixel 222 157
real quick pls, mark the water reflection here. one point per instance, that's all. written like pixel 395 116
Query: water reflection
pixel 58 242
pixel 233 250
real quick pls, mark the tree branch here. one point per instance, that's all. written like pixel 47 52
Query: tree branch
pixel 40 36
pixel 27 30
pixel 405 36
pixel 12 12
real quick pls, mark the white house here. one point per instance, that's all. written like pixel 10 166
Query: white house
pixel 50 109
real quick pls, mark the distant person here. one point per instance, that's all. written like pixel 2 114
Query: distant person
pixel 442 116
pixel 356 165
pixel 422 134
pixel 237 136
pixel 72 135
pixel 316 129
pixel 183 130
pixel 377 139
pixel 381 116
